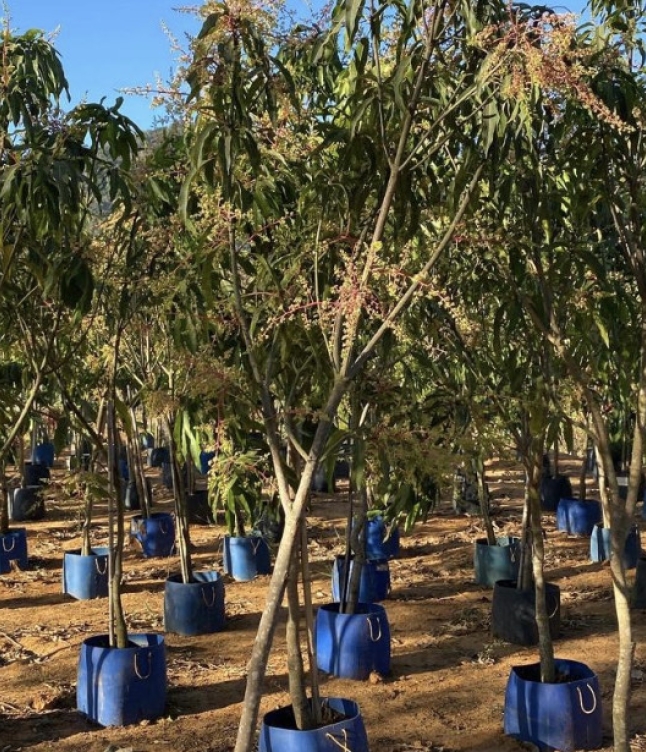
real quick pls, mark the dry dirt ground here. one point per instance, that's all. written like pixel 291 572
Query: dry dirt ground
pixel 446 690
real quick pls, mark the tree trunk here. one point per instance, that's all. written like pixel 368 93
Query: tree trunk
pixel 118 630
pixel 181 515
pixel 525 565
pixel 296 672
pixel 622 693
pixel 311 632
pixel 358 545
pixel 545 645
pixel 266 627
pixel 4 500
pixel 582 474
pixel 603 487
pixel 86 541
pixel 137 467
pixel 483 500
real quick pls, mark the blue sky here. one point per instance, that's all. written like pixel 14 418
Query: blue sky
pixel 108 45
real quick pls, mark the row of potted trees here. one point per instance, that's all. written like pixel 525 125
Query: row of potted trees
pixel 369 640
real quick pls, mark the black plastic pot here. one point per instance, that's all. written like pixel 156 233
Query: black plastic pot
pixel 513 612
pixel 320 482
pixel 271 524
pixel 26 504
pixel 159 456
pixel 35 474
pixel 553 490
pixel 198 509
pixel 639 588
pixel 131 500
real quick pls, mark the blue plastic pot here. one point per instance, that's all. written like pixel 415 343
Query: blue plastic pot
pixel 278 732
pixel 600 548
pixel 565 716
pixel 13 546
pixel 26 504
pixel 352 646
pixel 577 516
pixel 245 558
pixel 553 490
pixel 86 577
pixel 374 584
pixel 156 534
pixel 205 461
pixel 120 686
pixel 493 563
pixel 5 562
pixel 35 474
pixel 43 454
pixel 380 542
pixel 194 608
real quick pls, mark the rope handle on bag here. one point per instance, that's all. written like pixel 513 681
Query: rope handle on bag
pixel 163 527
pixel 98 568
pixel 256 546
pixel 594 700
pixel 150 666
pixel 556 608
pixel 206 603
pixel 341 745
pixel 372 634
pixel 4 544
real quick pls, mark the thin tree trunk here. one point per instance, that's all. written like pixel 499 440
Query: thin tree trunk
pixel 525 565
pixel 545 645
pixel 86 541
pixel 309 621
pixel 358 539
pixel 296 672
pixel 137 467
pixel 4 500
pixel 266 627
pixel 483 500
pixel 118 630
pixel 582 475
pixel 603 487
pixel 179 495
pixel 622 692
pixel 347 559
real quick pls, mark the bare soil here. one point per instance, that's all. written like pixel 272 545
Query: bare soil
pixel 446 690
